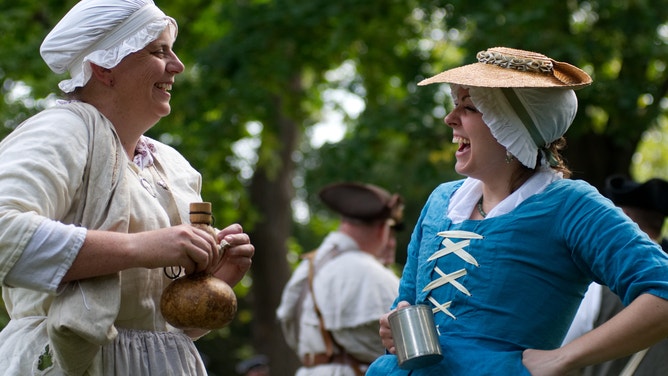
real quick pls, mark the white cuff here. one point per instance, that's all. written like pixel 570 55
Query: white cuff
pixel 47 257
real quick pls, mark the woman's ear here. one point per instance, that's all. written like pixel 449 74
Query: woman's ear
pixel 103 75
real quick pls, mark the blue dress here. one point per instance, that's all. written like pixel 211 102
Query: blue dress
pixel 505 284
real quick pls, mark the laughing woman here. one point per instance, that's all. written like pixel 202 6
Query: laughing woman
pixel 504 256
pixel 91 211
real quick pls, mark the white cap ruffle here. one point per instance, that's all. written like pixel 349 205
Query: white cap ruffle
pixel 551 112
pixel 101 32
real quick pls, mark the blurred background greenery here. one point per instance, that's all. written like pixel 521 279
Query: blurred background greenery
pixel 281 97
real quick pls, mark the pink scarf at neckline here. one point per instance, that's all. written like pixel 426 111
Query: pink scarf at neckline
pixel 144 153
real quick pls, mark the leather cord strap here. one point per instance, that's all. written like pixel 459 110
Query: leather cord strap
pixel 328 357
pixel 326 335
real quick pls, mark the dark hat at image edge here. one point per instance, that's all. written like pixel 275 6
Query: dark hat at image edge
pixel 365 202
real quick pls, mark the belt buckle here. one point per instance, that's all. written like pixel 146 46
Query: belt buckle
pixel 309 359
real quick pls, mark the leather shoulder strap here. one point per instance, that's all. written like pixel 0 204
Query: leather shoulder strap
pixel 327 336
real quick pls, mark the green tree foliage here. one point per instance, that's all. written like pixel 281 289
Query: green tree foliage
pixel 26 80
pixel 257 74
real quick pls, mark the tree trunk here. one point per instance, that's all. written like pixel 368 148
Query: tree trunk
pixel 271 192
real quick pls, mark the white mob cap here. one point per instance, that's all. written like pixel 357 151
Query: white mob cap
pixel 525 120
pixel 101 32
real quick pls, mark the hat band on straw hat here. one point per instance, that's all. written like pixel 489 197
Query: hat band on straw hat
pixel 515 62
pixel 509 67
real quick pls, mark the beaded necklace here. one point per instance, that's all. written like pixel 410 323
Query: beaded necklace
pixel 480 209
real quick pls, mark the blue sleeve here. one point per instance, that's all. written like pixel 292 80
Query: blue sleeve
pixel 609 247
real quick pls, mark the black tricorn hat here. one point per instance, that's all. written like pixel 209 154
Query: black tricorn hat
pixel 365 202
pixel 650 195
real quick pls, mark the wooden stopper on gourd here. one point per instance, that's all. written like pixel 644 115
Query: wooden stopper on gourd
pixel 199 300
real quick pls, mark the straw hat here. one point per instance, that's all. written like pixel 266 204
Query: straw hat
pixel 365 202
pixel 504 67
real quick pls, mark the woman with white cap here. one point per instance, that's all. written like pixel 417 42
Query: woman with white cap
pixel 92 211
pixel 504 256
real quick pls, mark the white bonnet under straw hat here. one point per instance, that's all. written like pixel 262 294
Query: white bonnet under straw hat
pixel 527 99
pixel 102 32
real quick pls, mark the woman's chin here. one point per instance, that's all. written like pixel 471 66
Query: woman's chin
pixel 164 110
pixel 460 168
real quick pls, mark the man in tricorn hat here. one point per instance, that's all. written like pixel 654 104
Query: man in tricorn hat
pixel 647 205
pixel 331 306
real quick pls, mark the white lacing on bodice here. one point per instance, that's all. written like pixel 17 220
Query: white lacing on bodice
pixel 451 278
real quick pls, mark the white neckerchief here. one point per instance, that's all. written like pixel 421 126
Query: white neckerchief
pixel 466 197
pixel 144 153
